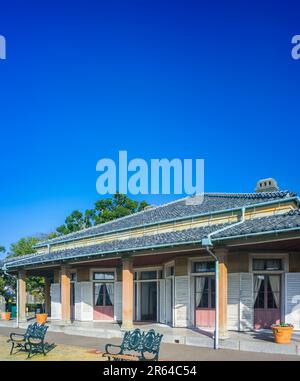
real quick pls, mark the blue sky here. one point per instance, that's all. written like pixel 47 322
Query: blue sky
pixel 186 79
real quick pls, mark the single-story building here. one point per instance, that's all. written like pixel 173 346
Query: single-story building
pixel 156 265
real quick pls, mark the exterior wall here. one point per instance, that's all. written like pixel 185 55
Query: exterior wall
pixel 294 262
pixel 181 266
pixel 238 262
pixel 240 292
pixel 83 274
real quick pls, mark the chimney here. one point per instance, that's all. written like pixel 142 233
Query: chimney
pixel 266 185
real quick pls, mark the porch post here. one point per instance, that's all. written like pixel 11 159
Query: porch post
pixel 22 296
pixel 65 285
pixel 222 257
pixel 127 294
pixel 47 296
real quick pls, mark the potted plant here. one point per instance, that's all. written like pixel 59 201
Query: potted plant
pixel 282 332
pixel 41 317
pixel 5 315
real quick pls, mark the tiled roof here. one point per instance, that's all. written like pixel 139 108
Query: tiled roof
pixel 290 220
pixel 182 208
pixel 263 225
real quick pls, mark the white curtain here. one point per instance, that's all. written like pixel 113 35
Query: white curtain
pixel 257 283
pixel 110 294
pixel 200 282
pixel 275 287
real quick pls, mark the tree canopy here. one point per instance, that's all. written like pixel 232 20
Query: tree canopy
pixel 104 210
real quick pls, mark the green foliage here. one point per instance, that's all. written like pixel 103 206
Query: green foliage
pixel 2 249
pixel 105 210
pixel 23 246
pixel 7 284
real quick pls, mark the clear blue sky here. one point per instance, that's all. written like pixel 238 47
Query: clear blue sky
pixel 188 79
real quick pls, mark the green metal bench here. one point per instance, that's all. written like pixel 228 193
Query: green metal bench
pixel 136 346
pixel 32 341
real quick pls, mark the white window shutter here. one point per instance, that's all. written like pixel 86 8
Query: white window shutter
pixel 162 301
pixel 55 301
pixel 292 300
pixel 246 301
pixel 118 301
pixel 77 290
pixel 233 302
pixel 87 307
pixel 182 301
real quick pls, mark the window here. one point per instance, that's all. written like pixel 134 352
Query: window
pixel 103 294
pixel 147 275
pixel 73 277
pixel 103 276
pixel 267 291
pixel 267 264
pixel 205 292
pixel 203 267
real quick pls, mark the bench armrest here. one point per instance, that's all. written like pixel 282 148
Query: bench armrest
pixel 16 337
pixel 115 346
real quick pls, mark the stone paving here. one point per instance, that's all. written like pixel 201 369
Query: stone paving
pixel 80 348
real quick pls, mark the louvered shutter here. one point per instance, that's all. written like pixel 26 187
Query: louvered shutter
pixel 233 302
pixel 182 298
pixel 292 300
pixel 162 301
pixel 55 301
pixel 87 301
pixel 118 301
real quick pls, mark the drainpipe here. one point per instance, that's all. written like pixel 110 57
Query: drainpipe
pixel 207 243
pixel 17 293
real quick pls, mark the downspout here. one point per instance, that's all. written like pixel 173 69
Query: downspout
pixel 17 292
pixel 207 243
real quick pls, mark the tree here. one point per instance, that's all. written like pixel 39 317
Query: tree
pixel 105 210
pixel 34 285
pixel 2 249
pixel 23 246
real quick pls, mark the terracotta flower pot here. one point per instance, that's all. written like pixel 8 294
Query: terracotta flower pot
pixel 41 318
pixel 282 335
pixel 5 315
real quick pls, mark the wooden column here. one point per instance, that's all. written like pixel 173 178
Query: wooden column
pixel 127 294
pixel 47 297
pixel 65 289
pixel 22 296
pixel 222 256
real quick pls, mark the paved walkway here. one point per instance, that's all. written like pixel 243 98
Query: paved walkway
pixel 261 341
pixel 77 348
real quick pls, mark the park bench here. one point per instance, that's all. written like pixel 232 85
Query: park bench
pixel 136 346
pixel 32 341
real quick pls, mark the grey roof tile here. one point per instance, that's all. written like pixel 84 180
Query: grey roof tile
pixel 290 220
pixel 212 202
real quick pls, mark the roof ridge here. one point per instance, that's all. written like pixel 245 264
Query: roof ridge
pixel 116 219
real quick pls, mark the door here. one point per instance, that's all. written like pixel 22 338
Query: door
pixel 169 301
pixel 267 300
pixel 149 301
pixel 205 301
pixel 103 301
